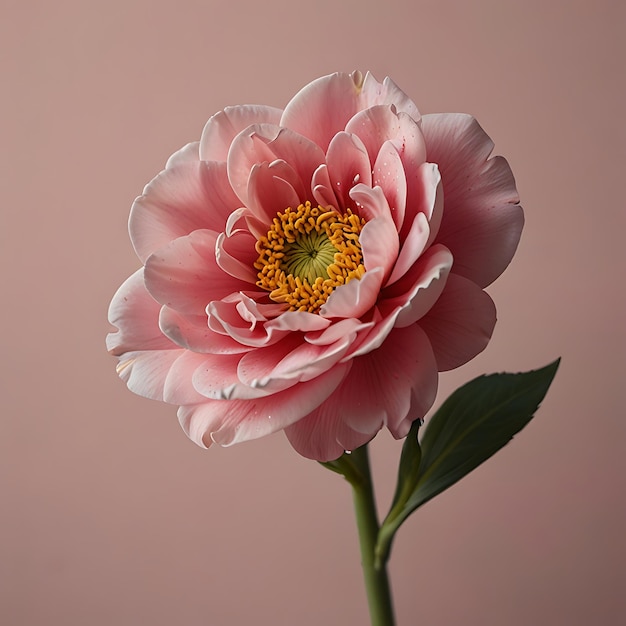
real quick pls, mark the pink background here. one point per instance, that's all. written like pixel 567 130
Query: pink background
pixel 109 514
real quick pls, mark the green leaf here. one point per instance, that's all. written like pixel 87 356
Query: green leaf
pixel 472 425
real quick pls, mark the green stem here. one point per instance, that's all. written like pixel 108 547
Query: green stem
pixel 376 579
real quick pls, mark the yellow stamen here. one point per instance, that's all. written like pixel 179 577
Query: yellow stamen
pixel 307 253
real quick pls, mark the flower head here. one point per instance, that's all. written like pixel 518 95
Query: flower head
pixel 312 269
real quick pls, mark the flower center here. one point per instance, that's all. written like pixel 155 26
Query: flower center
pixel 307 253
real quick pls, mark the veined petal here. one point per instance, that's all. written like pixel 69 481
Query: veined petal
pixel 460 323
pixel 482 220
pixel 379 237
pixel 236 255
pixel 272 187
pixel 185 276
pixel 227 422
pixel 428 278
pixel 322 108
pixel 355 298
pixel 387 92
pixel 224 126
pixel 393 389
pixel 268 143
pixel 187 196
pixel 135 314
pixel 242 318
pixel 193 333
pixel 348 165
pixel 382 123
pixel 390 177
pixel 216 378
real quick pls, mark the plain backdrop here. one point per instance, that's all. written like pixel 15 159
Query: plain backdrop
pixel 109 514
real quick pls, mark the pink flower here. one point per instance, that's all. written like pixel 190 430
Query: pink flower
pixel 313 269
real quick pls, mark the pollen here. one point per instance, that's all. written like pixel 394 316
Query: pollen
pixel 307 253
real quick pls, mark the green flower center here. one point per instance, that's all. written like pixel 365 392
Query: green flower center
pixel 307 253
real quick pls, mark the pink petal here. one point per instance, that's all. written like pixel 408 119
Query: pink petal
pixel 392 386
pixel 322 108
pixel 348 164
pixel 482 221
pixel 323 435
pixel 192 332
pixel 380 385
pixel 323 192
pixel 288 362
pixel 272 187
pixel 146 371
pixel 186 197
pixel 427 212
pixel 268 143
pixel 334 332
pixel 388 93
pixel 355 298
pixel 178 388
pixel 135 313
pixel 379 237
pixel 390 177
pixel 236 255
pixel 429 274
pixel 216 378
pixel 242 318
pixel 412 248
pixel 186 154
pixel 227 422
pixel 460 323
pixel 381 123
pixel 184 275
pixel 224 126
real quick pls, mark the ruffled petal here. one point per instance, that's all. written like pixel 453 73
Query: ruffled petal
pixel 323 192
pixel 482 220
pixel 178 388
pixel 236 255
pixel 193 333
pixel 227 422
pixel 382 123
pixel 380 386
pixel 216 378
pixel 390 177
pixel 188 153
pixel 322 108
pixel 268 143
pixel 460 323
pixel 246 321
pixel 135 314
pixel 348 165
pixel 272 187
pixel 145 354
pixel 387 92
pixel 323 435
pixel 291 360
pixel 188 196
pixel 224 126
pixel 379 237
pixel 185 276
pixel 427 280
pixel 355 298
pixel 393 387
